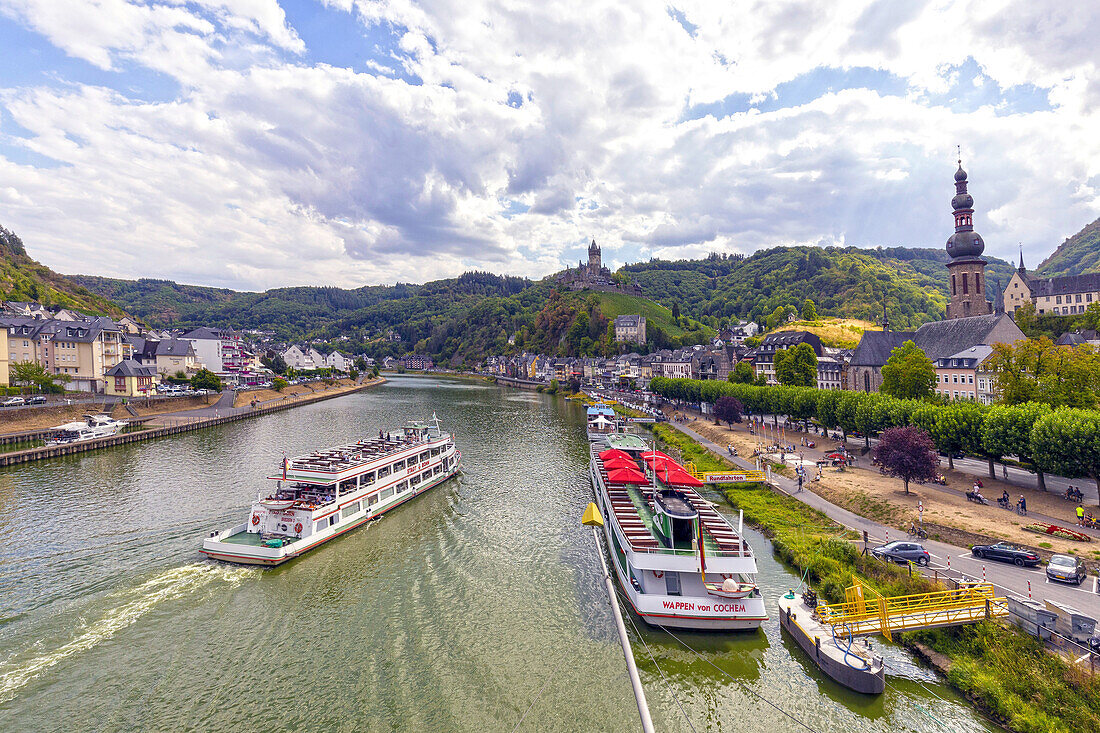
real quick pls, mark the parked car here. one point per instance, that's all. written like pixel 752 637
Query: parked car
pixel 13 401
pixel 38 399
pixel 1005 552
pixel 902 552
pixel 1067 569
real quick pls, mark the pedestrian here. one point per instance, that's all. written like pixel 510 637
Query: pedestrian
pixel 1023 505
pixel 1004 471
pixel 1080 516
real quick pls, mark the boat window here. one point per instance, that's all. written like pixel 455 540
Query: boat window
pixel 414 480
pixel 426 475
pixel 424 456
pixel 398 466
pixel 672 582
pixel 333 519
pixel 438 469
pixel 386 493
pixel 322 524
pixel 384 471
pixel 372 500
pixel 349 510
pixel 403 486
pixel 368 478
pixel 435 452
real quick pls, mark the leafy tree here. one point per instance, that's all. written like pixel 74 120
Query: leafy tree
pixel 374 371
pixel 206 379
pixel 908 453
pixel 728 409
pixel 279 384
pixel 360 364
pixel 278 364
pixel 675 311
pixel 33 375
pixel 908 374
pixel 760 380
pixel 574 385
pixel 796 366
pixel 778 316
pixel 1006 431
pixel 741 374
pixel 809 311
pixel 958 427
pixel 1067 442
pixel 1035 370
pixel 553 388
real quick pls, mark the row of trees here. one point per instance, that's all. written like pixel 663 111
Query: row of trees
pixel 1063 440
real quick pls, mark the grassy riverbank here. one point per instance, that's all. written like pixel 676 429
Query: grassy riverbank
pixel 1002 671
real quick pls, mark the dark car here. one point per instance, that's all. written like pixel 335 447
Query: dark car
pixel 37 400
pixel 902 552
pixel 1005 553
pixel 1067 569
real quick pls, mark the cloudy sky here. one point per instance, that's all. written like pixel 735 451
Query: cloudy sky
pixel 260 143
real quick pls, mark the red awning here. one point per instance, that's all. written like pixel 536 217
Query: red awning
pixel 617 462
pixel 679 478
pixel 626 476
pixel 614 453
pixel 649 455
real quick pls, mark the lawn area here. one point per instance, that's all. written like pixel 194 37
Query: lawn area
pixel 620 304
pixel 839 332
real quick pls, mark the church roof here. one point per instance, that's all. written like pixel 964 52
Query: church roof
pixel 875 346
pixel 1064 284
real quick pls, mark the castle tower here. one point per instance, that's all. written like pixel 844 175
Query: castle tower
pixel 594 257
pixel 965 247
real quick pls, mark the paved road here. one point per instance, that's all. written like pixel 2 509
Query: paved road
pixel 1008 578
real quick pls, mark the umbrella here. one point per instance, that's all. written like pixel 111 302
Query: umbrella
pixel 626 476
pixel 617 462
pixel 681 478
pixel 613 453
pixel 655 455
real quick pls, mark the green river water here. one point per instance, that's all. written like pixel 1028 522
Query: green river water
pixel 456 611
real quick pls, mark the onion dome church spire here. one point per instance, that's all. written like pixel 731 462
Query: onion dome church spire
pixel 965 248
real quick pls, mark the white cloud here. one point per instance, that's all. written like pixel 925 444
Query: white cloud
pixel 273 168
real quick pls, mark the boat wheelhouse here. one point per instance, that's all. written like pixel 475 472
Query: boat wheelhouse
pixel 92 427
pixel 678 560
pixel 327 493
pixel 600 421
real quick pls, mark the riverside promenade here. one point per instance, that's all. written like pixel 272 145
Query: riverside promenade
pixel 159 426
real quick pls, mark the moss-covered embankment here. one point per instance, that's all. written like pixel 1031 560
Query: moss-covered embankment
pixel 1003 671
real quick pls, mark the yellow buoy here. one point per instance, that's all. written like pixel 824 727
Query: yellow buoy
pixel 592 516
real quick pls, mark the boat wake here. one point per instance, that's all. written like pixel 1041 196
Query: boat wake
pixel 175 583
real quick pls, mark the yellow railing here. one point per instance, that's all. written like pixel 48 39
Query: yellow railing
pixel 867 612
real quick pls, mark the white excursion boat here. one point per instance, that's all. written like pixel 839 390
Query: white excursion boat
pixel 600 421
pixel 679 561
pixel 93 426
pixel 325 494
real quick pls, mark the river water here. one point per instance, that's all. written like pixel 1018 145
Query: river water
pixel 465 609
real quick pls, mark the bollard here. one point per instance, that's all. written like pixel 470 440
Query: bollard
pixel 983 573
pixel 949 563
pixel 887 536
pixel 1029 590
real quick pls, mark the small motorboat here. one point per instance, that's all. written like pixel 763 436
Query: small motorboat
pixel 730 588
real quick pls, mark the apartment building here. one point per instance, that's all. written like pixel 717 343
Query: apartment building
pixel 82 350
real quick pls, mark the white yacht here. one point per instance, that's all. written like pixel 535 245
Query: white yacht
pixel 92 427
pixel 327 493
pixel 679 561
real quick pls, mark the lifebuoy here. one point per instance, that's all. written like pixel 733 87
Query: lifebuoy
pixel 255 519
pixel 298 527
pixel 659 573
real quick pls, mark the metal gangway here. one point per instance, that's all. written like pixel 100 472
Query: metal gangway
pixel 866 612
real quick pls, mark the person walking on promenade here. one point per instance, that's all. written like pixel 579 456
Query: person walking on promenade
pixel 1022 505
pixel 1080 516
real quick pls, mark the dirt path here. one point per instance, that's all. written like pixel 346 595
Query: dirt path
pixel 869 494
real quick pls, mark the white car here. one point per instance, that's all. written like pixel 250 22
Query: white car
pixel 13 401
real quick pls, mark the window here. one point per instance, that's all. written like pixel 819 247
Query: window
pixel 349 510
pixel 953 284
pixel 1088 297
pixel 966 279
pixel 970 379
pixel 1058 300
pixel 977 283
pixel 1078 298
pixel 955 378
pixel 398 466
pixel 387 493
pixel 372 500
pixel 384 471
pixel 368 478
pixel 424 456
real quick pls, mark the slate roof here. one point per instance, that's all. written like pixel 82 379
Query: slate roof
pixel 875 346
pixel 175 347
pixel 1039 286
pixel 1076 338
pixel 627 321
pixel 967 358
pixel 130 368
pixel 944 338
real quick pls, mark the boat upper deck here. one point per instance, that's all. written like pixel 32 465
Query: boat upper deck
pixel 343 462
pixel 634 515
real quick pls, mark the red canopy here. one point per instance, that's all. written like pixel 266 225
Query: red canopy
pixel 614 453
pixel 680 478
pixel 650 455
pixel 617 462
pixel 626 476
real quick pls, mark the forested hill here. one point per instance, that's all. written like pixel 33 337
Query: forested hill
pixel 846 282
pixel 24 279
pixel 1078 254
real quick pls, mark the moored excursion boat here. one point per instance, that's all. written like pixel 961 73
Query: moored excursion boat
pixel 327 493
pixel 600 421
pixel 679 562
pixel 93 426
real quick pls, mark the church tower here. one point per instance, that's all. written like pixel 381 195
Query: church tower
pixel 594 259
pixel 965 247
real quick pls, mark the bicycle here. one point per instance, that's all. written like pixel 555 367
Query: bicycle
pixel 918 532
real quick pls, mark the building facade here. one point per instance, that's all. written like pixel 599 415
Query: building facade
pixel 967 268
pixel 1067 295
pixel 630 329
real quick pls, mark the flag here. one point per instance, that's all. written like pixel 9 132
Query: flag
pixel 702 552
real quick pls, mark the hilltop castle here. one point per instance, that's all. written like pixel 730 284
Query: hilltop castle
pixel 593 276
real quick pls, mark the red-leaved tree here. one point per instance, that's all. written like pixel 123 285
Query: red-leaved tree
pixel 907 453
pixel 728 409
